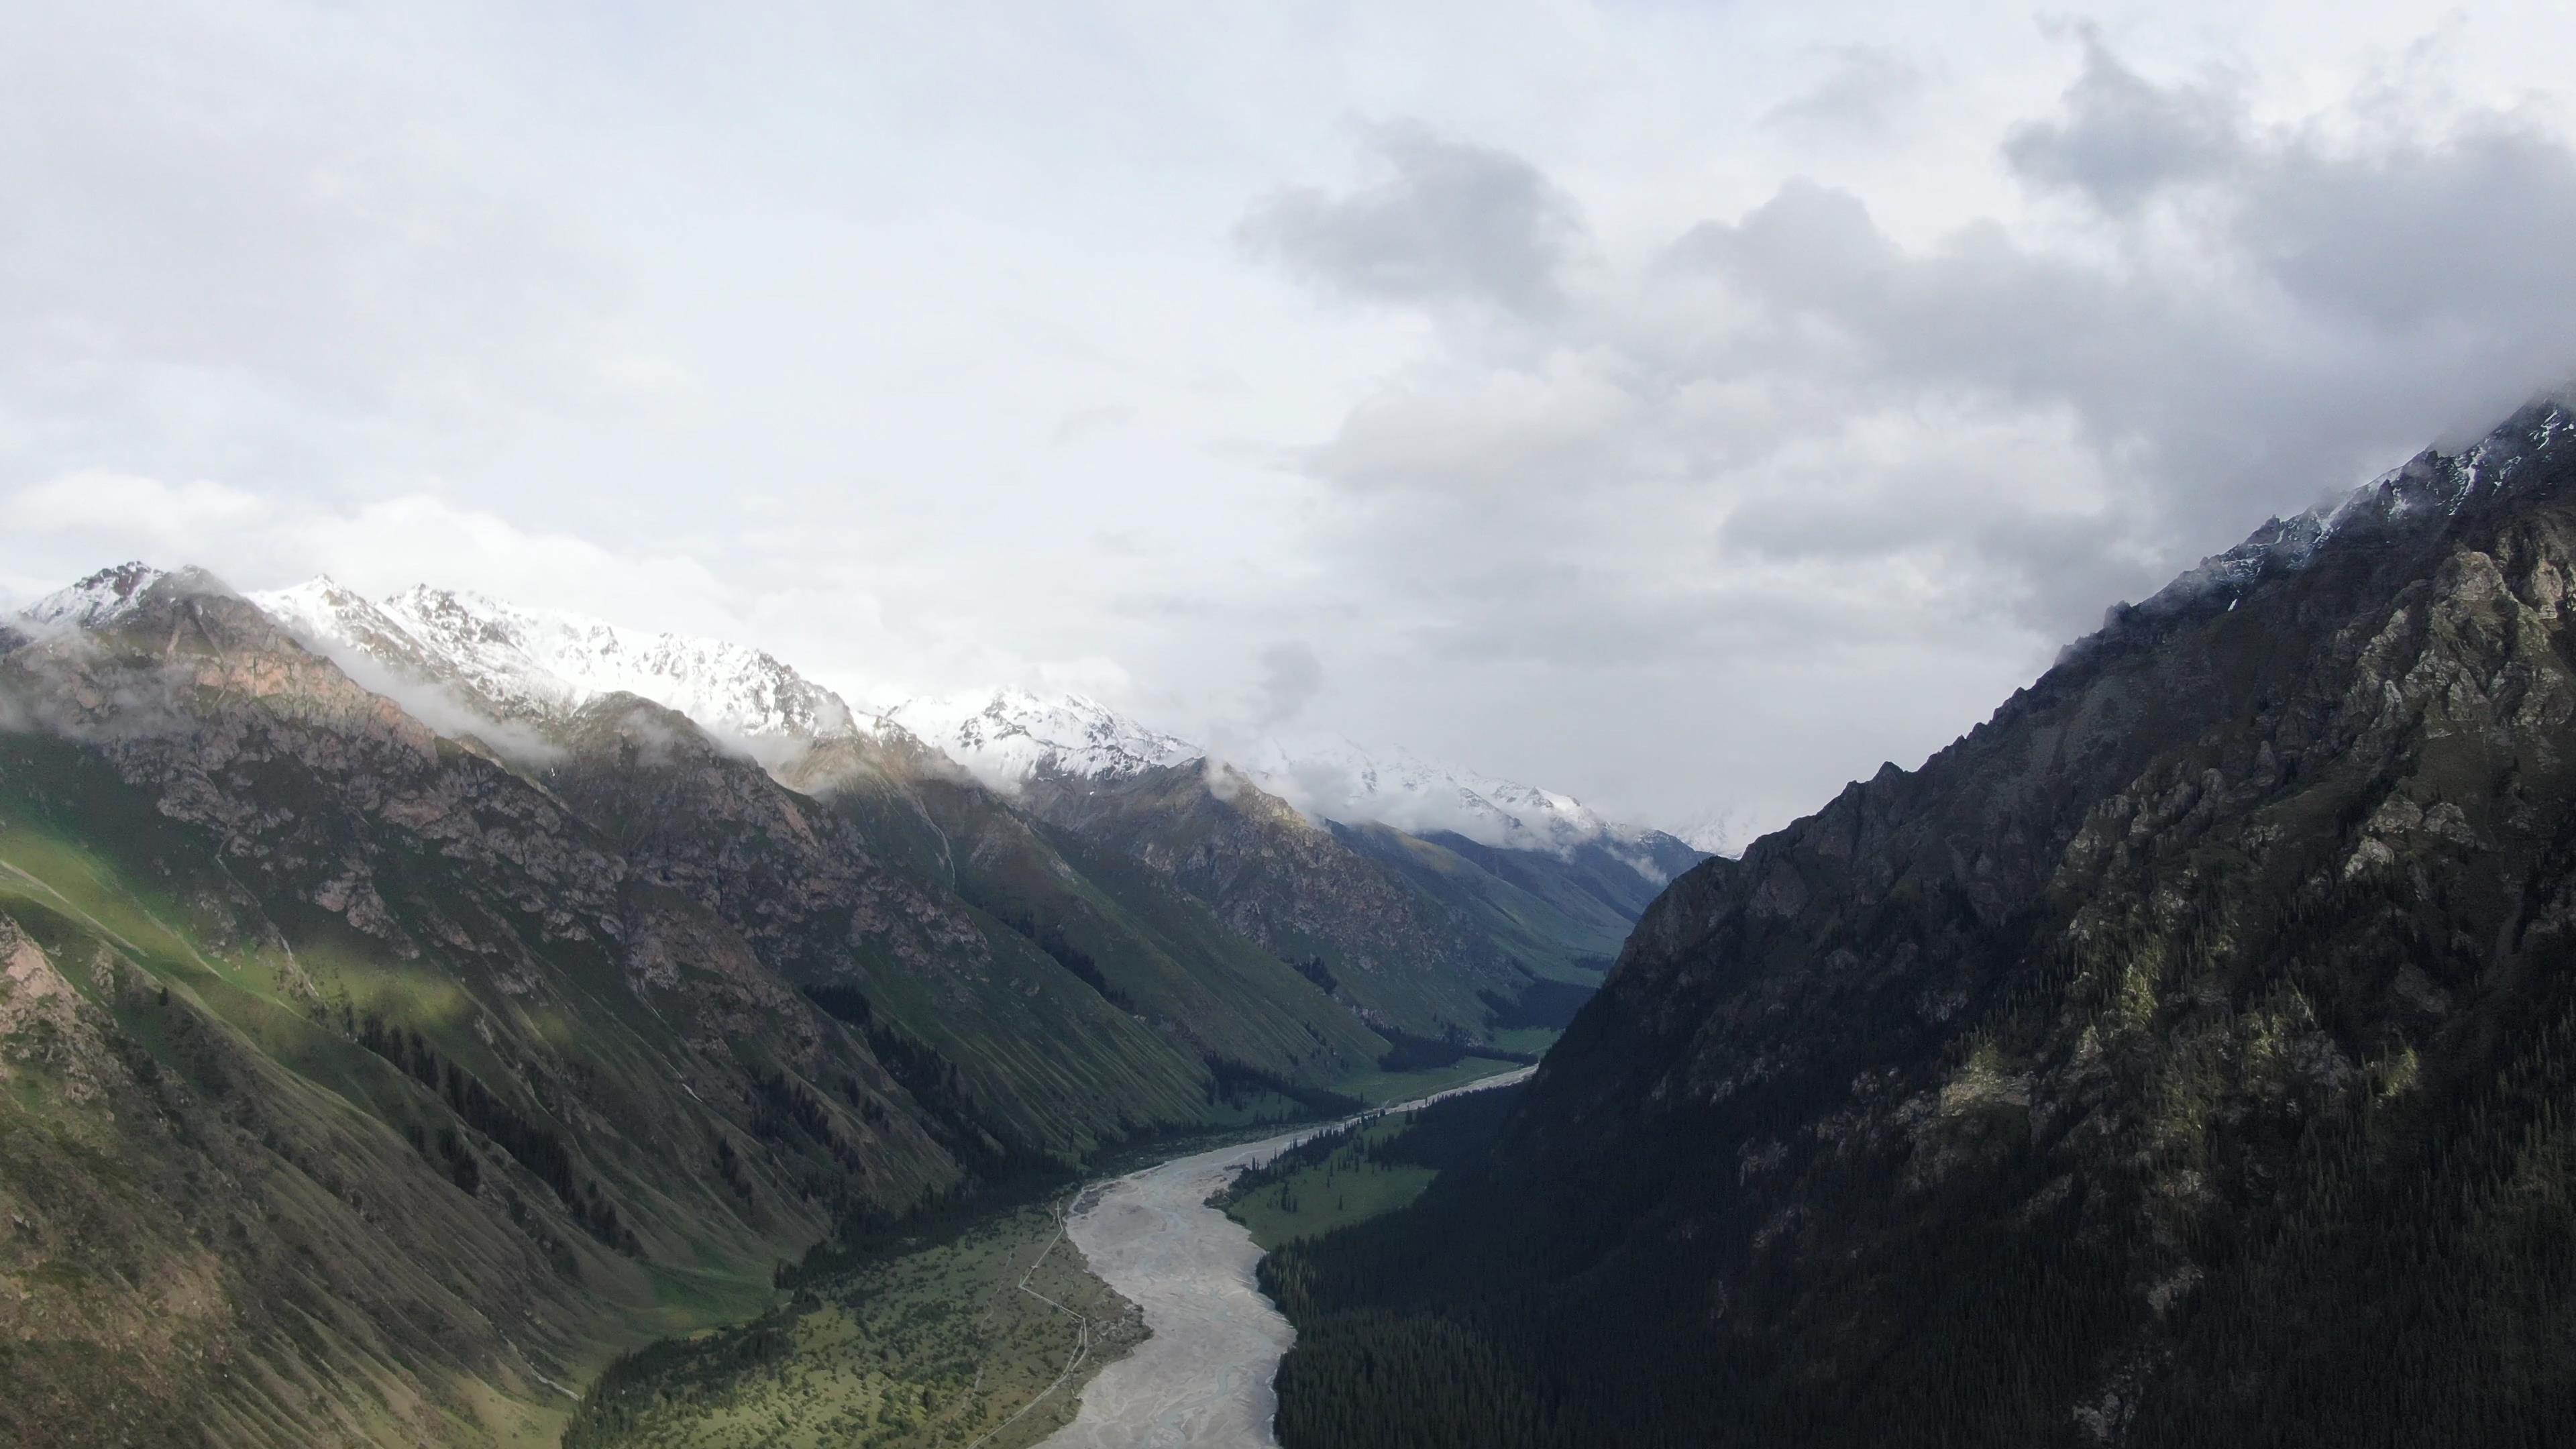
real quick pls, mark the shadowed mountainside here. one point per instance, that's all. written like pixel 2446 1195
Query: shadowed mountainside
pixel 2187 1055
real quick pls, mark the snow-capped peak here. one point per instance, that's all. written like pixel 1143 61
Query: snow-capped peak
pixel 1008 735
pixel 2431 485
pixel 1340 780
pixel 525 663
pixel 99 600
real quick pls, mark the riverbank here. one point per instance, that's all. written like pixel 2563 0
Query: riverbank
pixel 1203 1377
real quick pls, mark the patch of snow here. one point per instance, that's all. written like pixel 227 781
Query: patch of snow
pixel 1005 736
pixel 2432 486
pixel 95 602
pixel 519 664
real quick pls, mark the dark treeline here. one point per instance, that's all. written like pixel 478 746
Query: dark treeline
pixel 673 1371
pixel 532 1145
pixel 1409 1053
pixel 1050 937
pixel 1542 1003
pixel 1233 1081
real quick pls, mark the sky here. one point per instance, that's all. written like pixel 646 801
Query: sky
pixel 1685 406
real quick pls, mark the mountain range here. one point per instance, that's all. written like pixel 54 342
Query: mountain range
pixel 411 1002
pixel 408 1004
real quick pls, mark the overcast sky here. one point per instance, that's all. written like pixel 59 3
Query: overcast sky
pixel 1688 406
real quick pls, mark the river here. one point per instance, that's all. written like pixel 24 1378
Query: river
pixel 1203 1380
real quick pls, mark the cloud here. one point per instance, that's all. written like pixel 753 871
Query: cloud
pixel 95 502
pixel 377 547
pixel 1678 408
pixel 2252 318
pixel 2123 139
pixel 1801 444
pixel 1450 222
pixel 1291 677
pixel 381 547
pixel 442 708
pixel 1862 91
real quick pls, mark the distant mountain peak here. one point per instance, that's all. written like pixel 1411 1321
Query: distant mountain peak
pixel 1009 734
pixel 2427 489
pixel 531 663
pixel 97 601
pixel 480 658
pixel 1341 780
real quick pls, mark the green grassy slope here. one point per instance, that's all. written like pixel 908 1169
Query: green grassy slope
pixel 1397 956
pixel 1535 907
pixel 980 1331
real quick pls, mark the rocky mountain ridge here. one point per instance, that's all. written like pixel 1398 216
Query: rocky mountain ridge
pixel 2186 1055
pixel 517 665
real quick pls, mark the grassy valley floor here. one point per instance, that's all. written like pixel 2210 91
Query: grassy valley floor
pixel 978 1330
pixel 1331 1182
pixel 976 1334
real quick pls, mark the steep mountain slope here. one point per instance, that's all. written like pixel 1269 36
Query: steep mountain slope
pixel 1548 913
pixel 1048 1064
pixel 357 1091
pixel 1460 938
pixel 2185 1056
pixel 1165 987
pixel 366 1085
pixel 1405 961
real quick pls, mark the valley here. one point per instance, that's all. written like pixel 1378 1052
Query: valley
pixel 1573 725
pixel 1204 1377
pixel 372 1081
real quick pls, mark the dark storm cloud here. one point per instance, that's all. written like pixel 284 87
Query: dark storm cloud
pixel 1450 221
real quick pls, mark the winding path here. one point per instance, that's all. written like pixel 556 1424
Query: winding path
pixel 1203 1380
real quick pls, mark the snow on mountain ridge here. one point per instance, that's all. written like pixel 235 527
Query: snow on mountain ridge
pixel 528 663
pixel 472 664
pixel 1007 735
pixel 2432 482
pixel 1341 780
pixel 100 599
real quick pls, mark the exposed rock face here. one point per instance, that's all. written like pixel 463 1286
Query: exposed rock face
pixel 2182 1056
